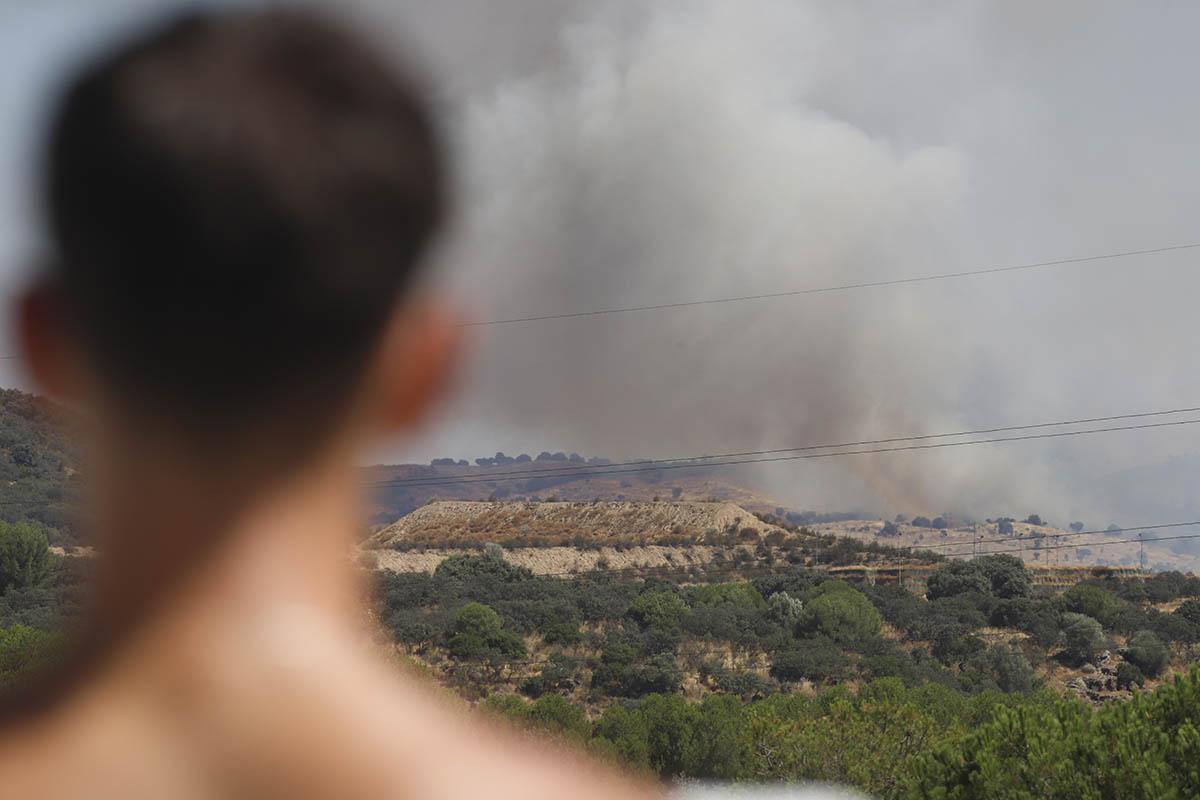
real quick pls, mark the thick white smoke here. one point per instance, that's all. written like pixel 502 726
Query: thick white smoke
pixel 630 152
pixel 627 153
pixel 673 154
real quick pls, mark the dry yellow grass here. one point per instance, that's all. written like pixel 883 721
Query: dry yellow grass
pixel 448 523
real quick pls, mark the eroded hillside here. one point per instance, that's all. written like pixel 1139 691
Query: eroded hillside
pixel 578 524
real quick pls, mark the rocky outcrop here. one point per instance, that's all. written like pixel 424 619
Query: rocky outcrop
pixel 1098 684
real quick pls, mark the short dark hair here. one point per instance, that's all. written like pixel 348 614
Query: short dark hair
pixel 237 201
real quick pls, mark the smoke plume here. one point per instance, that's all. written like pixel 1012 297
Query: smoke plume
pixel 633 152
pixel 618 154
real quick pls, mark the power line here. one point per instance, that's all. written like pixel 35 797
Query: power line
pixel 842 288
pixel 698 462
pixel 554 470
pixel 1060 535
pixel 1179 537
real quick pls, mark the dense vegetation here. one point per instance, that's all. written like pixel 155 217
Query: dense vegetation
pixel 1148 747
pixel 35 465
pixel 899 742
pixel 787 676
pixel 754 679
pixel 39 596
pixel 876 738
pixel 757 667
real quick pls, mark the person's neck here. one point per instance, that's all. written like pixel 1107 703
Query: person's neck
pixel 216 538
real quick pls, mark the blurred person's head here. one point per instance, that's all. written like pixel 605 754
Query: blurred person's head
pixel 238 204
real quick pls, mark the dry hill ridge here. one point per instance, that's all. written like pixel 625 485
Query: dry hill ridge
pixel 448 523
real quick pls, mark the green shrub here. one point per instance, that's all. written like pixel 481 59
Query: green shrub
pixel 1129 676
pixel 414 627
pixel 1002 667
pixel 23 650
pixel 1147 652
pixel 623 734
pixel 1006 575
pixel 620 674
pixel 558 674
pixel 953 645
pixel 967 609
pixel 1171 627
pixel 796 582
pixel 1037 617
pixel 868 740
pixel 1147 747
pixel 896 604
pixel 1085 598
pixel 1166 586
pixel 505 706
pixel 554 714
pixel 1190 611
pixel 957 577
pixel 478 633
pixel 24 555
pixel 737 682
pixel 839 612
pixel 475 568
pixel 817 660
pixel 671 735
pixel 738 594
pixel 721 743
pixel 658 609
pixel 1082 637
pixel 565 633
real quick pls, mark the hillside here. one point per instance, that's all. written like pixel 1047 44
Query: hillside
pixel 701 540
pixel 1036 545
pixel 402 488
pixel 447 523
pixel 784 658
pixel 35 464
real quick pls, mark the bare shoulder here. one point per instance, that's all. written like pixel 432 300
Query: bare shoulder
pixel 331 717
pixel 432 747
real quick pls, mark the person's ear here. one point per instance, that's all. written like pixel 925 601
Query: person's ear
pixel 419 354
pixel 49 351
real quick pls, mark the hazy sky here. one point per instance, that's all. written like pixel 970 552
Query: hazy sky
pixel 646 151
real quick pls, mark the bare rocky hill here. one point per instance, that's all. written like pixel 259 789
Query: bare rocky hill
pixel 451 523
pixel 400 489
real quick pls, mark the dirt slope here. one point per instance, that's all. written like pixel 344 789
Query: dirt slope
pixel 400 489
pixel 446 523
pixel 567 560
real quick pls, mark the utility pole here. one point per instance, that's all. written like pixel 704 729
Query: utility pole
pixel 1141 551
pixel 974 540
